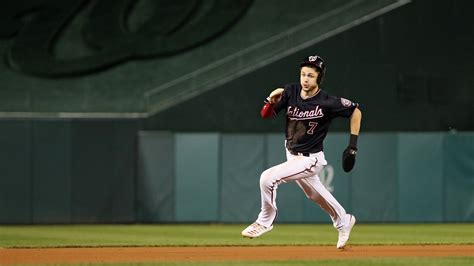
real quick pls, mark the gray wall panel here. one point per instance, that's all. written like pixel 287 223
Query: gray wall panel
pixel 374 182
pixel 420 177
pixel 197 171
pixel 459 177
pixel 155 177
pixel 243 160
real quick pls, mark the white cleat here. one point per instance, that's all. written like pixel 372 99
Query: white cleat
pixel 256 230
pixel 345 232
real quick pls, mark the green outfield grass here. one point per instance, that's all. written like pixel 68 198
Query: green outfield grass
pixel 229 235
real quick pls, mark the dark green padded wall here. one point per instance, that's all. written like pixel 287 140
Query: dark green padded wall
pixel 242 160
pixel 374 181
pixel 67 171
pixel 211 177
pixel 197 177
pixel 404 177
pixel 51 172
pixel 458 153
pixel 15 169
pixel 155 185
pixel 420 177
pixel 103 171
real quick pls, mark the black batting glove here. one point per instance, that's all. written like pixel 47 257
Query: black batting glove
pixel 349 154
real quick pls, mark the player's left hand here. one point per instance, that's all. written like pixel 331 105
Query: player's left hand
pixel 349 154
pixel 349 158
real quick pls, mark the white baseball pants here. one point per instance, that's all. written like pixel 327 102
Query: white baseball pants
pixel 304 171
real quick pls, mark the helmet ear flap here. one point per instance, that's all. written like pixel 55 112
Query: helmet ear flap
pixel 320 77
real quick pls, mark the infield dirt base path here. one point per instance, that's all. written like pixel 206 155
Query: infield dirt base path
pixel 168 254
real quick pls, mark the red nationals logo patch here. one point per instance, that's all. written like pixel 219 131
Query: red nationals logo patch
pixel 346 102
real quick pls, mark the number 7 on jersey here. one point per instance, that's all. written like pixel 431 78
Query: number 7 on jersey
pixel 312 126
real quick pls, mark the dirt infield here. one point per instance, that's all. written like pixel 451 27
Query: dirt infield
pixel 167 254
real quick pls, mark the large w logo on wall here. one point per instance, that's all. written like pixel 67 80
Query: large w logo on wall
pixel 112 32
pixel 79 58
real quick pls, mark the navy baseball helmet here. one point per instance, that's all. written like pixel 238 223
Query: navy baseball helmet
pixel 317 62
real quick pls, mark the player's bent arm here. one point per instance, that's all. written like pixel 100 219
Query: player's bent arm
pixel 275 95
pixel 349 154
pixel 268 109
pixel 356 118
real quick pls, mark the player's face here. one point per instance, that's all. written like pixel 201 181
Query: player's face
pixel 308 77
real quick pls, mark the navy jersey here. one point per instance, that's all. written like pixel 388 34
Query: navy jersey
pixel 308 120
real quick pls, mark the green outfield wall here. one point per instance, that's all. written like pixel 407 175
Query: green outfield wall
pixel 80 171
pixel 111 172
pixel 399 177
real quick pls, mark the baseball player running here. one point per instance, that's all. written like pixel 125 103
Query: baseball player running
pixel 309 112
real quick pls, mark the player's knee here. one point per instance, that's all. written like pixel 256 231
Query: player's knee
pixel 265 179
pixel 313 197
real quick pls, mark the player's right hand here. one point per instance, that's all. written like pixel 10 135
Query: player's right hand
pixel 275 96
